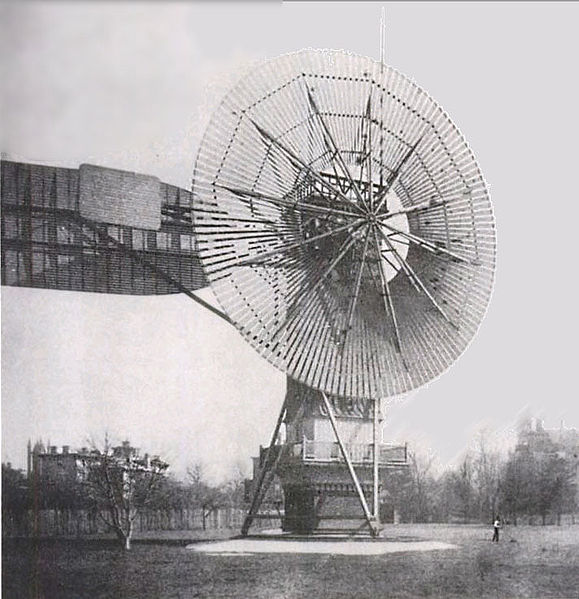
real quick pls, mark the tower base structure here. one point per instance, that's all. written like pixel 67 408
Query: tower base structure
pixel 323 466
pixel 322 499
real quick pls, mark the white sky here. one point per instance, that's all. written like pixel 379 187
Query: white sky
pixel 132 86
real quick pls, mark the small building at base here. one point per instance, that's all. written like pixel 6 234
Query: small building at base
pixel 318 492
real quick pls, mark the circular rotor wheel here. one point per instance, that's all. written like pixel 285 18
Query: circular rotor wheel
pixel 343 224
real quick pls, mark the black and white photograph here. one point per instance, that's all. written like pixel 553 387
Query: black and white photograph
pixel 289 299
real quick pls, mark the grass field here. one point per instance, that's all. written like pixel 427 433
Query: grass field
pixel 528 562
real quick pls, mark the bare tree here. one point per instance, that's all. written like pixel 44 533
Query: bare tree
pixel 515 488
pixel 121 482
pixel 463 487
pixel 207 497
pixel 486 478
pixel 420 489
pixel 233 490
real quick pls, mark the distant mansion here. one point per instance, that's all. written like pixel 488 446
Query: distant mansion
pixel 562 442
pixel 61 467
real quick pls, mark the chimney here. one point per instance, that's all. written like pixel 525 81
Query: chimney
pixel 53 449
pixel 65 449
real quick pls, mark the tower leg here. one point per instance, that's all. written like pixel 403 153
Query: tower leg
pixel 257 492
pixel 269 468
pixel 353 475
pixel 376 461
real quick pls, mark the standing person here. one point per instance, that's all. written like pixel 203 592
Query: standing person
pixel 497 526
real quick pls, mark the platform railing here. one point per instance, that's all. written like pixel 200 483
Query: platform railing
pixel 327 451
pixel 360 453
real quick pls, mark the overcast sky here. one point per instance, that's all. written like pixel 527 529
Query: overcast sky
pixel 132 86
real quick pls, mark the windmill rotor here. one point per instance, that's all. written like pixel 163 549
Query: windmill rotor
pixel 343 224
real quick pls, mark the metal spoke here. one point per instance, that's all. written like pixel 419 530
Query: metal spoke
pixel 287 203
pixel 333 147
pixel 428 245
pixel 344 248
pixel 354 301
pixel 385 258
pixel 369 153
pixel 387 296
pixel 292 246
pixel 416 208
pixel 381 197
pixel 413 276
pixel 304 165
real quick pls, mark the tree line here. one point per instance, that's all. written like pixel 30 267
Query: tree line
pixel 116 485
pixel 483 485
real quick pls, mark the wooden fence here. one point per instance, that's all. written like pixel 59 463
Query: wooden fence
pixel 79 523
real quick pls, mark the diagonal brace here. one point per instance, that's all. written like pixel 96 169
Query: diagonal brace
pixel 137 257
pixel 257 494
pixel 369 519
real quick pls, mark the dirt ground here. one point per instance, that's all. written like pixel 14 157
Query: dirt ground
pixel 537 562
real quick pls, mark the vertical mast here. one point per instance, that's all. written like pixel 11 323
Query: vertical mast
pixel 382 58
pixel 376 462
pixel 382 38
pixel 376 402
